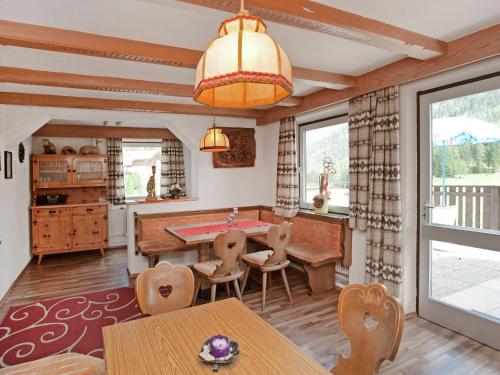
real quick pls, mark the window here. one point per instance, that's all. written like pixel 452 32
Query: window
pixel 138 158
pixel 319 139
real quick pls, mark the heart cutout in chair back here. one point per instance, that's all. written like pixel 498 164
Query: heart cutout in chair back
pixel 165 291
pixel 283 236
pixel 371 321
pixel 231 244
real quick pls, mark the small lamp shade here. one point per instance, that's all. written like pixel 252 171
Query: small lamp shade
pixel 243 68
pixel 214 140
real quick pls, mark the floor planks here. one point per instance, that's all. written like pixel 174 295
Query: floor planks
pixel 309 322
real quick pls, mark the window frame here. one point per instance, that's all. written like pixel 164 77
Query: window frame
pixel 140 143
pixel 303 128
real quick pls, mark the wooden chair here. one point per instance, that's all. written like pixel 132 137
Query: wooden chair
pixel 228 248
pixel 164 288
pixel 373 341
pixel 68 363
pixel 267 261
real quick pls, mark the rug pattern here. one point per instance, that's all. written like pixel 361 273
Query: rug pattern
pixel 64 325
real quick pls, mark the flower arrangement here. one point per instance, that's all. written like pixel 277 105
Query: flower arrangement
pixel 175 191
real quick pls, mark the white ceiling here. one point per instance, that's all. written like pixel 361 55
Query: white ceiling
pixel 441 19
pixel 183 25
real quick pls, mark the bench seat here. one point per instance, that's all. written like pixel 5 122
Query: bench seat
pixel 318 264
pixel 154 248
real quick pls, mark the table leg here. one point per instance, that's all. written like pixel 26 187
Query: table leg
pixel 203 256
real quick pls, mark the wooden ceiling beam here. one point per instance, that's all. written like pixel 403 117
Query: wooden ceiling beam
pixel 318 17
pixel 93 131
pixel 80 43
pixel 477 46
pixel 114 84
pixel 42 100
pixel 90 82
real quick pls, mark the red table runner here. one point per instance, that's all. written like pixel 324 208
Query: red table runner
pixel 214 228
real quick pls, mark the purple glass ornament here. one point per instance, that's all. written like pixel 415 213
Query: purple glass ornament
pixel 219 346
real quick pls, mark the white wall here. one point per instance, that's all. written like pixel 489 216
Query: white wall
pixel 14 214
pixel 215 188
pixel 408 137
pixel 212 188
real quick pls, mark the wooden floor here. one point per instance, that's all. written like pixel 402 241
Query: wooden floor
pixel 310 322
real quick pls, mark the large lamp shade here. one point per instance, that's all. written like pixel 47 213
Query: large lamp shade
pixel 244 67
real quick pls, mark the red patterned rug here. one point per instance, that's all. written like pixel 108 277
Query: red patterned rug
pixel 63 325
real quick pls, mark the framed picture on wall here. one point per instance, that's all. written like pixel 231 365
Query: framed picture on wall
pixel 7 156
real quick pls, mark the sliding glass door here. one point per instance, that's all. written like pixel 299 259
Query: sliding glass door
pixel 459 262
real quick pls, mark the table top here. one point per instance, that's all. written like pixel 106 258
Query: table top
pixel 169 343
pixel 208 231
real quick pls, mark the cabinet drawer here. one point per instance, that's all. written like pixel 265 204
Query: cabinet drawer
pixel 43 212
pixel 90 210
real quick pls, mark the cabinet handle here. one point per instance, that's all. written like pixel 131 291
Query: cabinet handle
pixel 52 212
pixel 89 210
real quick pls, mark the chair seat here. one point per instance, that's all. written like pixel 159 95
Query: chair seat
pixel 207 268
pixel 258 258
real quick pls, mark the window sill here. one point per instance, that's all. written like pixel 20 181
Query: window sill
pixel 329 214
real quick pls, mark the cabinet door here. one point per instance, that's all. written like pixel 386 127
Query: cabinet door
pixel 51 171
pixel 51 233
pixel 89 171
pixel 89 230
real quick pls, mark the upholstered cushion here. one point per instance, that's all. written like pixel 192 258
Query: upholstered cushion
pixel 258 258
pixel 207 268
pixel 69 363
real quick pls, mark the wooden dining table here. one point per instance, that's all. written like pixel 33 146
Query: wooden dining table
pixel 170 343
pixel 203 234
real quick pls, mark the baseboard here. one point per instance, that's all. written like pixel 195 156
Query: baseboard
pixel 411 315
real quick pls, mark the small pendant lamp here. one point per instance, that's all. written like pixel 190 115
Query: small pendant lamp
pixel 244 67
pixel 214 140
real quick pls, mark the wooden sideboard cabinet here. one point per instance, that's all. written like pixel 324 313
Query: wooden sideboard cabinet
pixel 81 222
pixel 58 171
pixel 70 228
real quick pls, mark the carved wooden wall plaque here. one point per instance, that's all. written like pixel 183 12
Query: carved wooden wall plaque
pixel 242 149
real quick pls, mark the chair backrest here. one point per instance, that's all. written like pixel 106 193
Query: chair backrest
pixel 229 247
pixel 164 288
pixel 278 238
pixel 373 321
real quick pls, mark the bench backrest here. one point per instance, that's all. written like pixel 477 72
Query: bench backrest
pixel 320 235
pixel 152 226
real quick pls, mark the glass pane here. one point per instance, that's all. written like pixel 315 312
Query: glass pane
pixel 137 163
pixel 53 171
pixel 466 277
pixel 89 170
pixel 331 141
pixel 466 161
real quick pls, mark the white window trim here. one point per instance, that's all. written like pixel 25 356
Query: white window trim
pixel 303 128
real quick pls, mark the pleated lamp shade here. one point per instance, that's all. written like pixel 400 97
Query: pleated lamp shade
pixel 243 68
pixel 214 140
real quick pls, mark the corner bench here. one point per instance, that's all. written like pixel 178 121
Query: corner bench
pixel 318 241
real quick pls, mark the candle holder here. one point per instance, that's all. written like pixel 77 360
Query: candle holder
pixel 218 350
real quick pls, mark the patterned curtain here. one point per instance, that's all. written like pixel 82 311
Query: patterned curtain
pixel 116 185
pixel 374 170
pixel 287 197
pixel 172 166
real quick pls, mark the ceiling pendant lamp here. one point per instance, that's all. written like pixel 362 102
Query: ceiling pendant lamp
pixel 214 140
pixel 244 67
